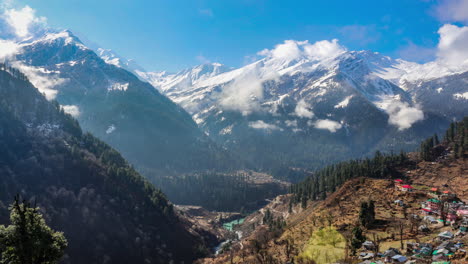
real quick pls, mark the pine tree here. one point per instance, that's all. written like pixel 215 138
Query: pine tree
pixel 28 240
pixel 357 239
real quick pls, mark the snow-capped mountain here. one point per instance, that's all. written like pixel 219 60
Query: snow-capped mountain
pixel 131 115
pixel 183 80
pixel 301 105
pixel 307 104
pixel 110 57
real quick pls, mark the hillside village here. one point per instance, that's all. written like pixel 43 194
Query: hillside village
pixel 419 215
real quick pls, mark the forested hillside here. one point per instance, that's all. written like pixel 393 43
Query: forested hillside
pixel 107 211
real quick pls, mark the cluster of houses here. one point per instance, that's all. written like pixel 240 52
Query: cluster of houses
pixel 442 250
pixel 446 207
pixel 441 208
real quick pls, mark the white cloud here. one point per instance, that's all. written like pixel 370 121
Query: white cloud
pixel 45 81
pixel 303 109
pixel 244 93
pixel 452 47
pixel 323 49
pixel 7 49
pixel 287 50
pixel 401 114
pixel 453 10
pixel 22 20
pixel 326 124
pixel 260 124
pixel 73 110
pixel 292 49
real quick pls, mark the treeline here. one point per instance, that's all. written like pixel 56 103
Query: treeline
pixel 328 179
pixel 455 137
pixel 13 71
pixel 218 191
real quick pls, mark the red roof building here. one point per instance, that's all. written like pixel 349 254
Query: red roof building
pixel 406 188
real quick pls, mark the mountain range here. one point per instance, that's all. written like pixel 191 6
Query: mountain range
pixel 300 105
pixel 308 104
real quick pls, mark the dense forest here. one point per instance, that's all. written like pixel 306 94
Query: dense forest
pixel 327 180
pixel 219 191
pixel 456 137
pixel 107 211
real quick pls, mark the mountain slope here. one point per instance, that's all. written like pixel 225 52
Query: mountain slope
pixel 108 212
pixel 152 132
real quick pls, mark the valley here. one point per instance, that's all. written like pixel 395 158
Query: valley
pixel 299 134
pixel 322 230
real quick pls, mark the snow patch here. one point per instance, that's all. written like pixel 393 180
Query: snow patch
pixel 344 103
pixel 118 87
pixel 110 129
pixel 227 130
pixel 459 96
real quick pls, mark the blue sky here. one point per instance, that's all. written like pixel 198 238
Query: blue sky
pixel 174 34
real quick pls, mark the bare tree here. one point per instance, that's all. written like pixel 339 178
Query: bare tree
pixel 400 228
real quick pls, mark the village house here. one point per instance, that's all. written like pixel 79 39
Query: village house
pixel 406 188
pixel 433 204
pixel 399 202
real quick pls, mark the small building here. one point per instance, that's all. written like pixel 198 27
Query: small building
pixel 445 235
pixel 451 217
pixel 399 259
pixel 406 188
pixel 369 245
pixel 433 204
